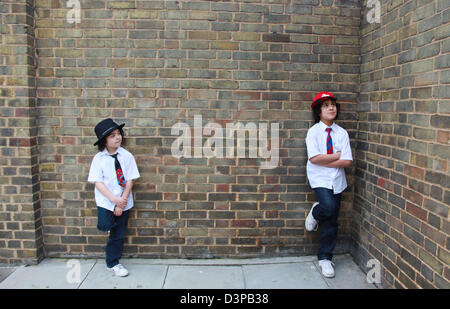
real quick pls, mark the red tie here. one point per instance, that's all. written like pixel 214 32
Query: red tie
pixel 329 142
pixel 120 178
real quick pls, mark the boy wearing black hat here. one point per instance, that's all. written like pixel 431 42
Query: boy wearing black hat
pixel 113 171
pixel 329 152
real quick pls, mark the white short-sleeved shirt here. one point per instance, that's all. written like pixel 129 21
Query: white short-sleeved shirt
pixel 316 143
pixel 103 170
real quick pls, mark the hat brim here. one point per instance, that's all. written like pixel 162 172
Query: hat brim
pixel 321 100
pixel 105 134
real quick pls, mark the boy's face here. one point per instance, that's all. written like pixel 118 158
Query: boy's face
pixel 114 139
pixel 328 111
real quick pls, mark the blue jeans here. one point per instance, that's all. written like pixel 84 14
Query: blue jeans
pixel 327 213
pixel 116 227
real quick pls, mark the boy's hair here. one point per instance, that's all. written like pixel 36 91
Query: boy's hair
pixel 317 109
pixel 102 143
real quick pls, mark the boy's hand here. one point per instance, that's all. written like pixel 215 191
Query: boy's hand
pixel 118 211
pixel 121 202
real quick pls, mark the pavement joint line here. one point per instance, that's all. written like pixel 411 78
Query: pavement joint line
pixel 87 275
pixel 165 277
pixel 243 277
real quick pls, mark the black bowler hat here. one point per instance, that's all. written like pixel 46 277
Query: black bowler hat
pixel 104 127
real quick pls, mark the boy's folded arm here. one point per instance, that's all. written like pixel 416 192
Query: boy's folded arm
pixel 323 159
pixel 339 163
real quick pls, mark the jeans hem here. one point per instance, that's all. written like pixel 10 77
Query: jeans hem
pixel 324 258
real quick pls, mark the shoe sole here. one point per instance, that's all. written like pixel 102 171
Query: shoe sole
pixel 326 275
pixel 314 229
pixel 112 270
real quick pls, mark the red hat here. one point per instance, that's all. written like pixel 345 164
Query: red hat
pixel 322 96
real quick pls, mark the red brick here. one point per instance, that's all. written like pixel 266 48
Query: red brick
pixel 171 161
pixel 272 179
pixel 172 44
pixel 170 196
pixel 416 211
pixel 243 223
pixel 68 140
pixel 386 184
pixel 84 159
pixel 413 196
pixel 223 188
pixel 415 172
pixel 442 137
pixel 19 142
pixel 22 112
pixel 270 214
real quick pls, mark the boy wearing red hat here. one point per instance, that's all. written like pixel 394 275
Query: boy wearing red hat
pixel 329 152
pixel 113 172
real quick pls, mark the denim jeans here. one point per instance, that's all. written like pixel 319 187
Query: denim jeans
pixel 116 227
pixel 326 213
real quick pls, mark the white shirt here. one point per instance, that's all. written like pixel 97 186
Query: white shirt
pixel 316 143
pixel 103 170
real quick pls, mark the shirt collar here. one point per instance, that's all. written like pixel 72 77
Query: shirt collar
pixel 323 126
pixel 106 153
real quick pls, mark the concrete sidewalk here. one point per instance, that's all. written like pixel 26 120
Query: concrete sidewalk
pixel 261 273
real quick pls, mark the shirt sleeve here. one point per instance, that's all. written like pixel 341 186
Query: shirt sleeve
pixel 95 172
pixel 311 145
pixel 346 153
pixel 132 169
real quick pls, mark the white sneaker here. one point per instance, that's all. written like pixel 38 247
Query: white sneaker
pixel 327 268
pixel 119 270
pixel 311 223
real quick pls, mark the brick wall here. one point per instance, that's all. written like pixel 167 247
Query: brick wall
pixel 402 192
pixel 152 64
pixel 20 215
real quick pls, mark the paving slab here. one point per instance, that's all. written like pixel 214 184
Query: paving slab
pixel 284 276
pixel 348 275
pixel 204 277
pixel 5 272
pixel 140 277
pixel 256 273
pixel 49 274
